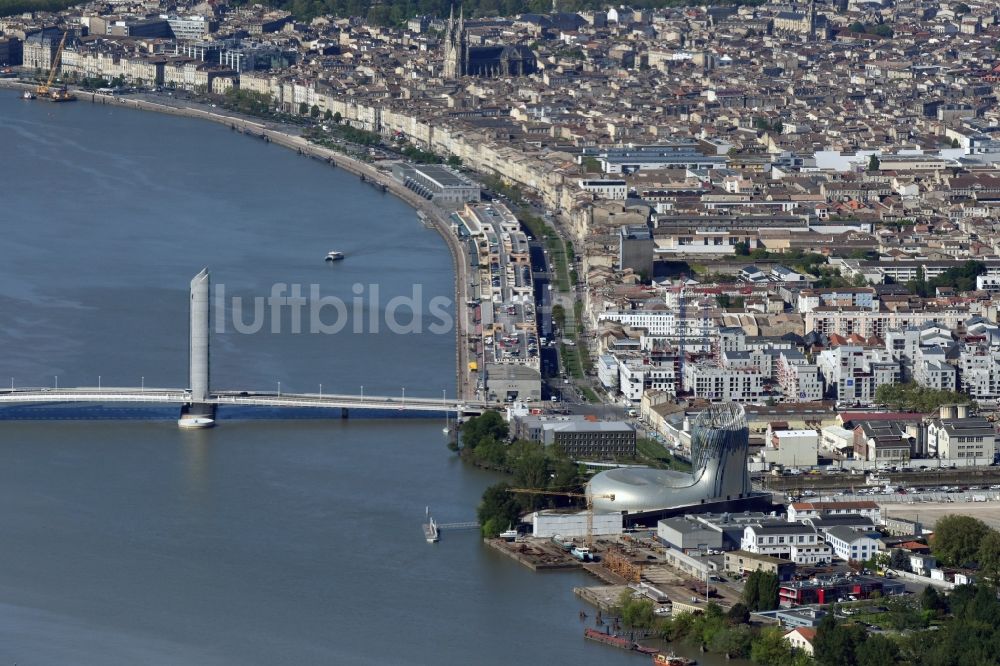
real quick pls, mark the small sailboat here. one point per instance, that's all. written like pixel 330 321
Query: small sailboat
pixel 447 426
pixel 430 528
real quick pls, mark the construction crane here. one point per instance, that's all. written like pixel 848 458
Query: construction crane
pixel 587 496
pixel 46 89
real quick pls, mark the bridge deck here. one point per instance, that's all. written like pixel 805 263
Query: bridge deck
pixel 243 398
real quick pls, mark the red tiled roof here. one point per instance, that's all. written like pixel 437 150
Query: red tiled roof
pixel 807 633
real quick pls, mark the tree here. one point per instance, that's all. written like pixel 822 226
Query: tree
pixel 957 538
pixel 530 467
pixel 488 425
pixel 881 29
pixel 915 398
pixel 490 452
pixel 877 650
pixel 564 472
pixel 337 117
pixel 738 613
pixel 733 642
pixel 498 510
pixel 836 644
pixel 989 557
pixel 874 163
pixel 314 111
pixel 635 613
pixel 303 109
pixel 454 161
pixel 899 560
pixel 931 600
pixel 761 591
pixel 328 115
pixel 771 648
pixel 961 8
pixel 857 26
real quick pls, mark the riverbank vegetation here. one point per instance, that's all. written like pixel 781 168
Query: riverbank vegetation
pixel 530 464
pixel 712 630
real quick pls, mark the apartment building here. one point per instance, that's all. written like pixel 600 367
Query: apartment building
pixel 852 373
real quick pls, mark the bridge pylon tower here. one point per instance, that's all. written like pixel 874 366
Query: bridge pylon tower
pixel 199 414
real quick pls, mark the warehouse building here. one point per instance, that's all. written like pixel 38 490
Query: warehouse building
pixel 436 183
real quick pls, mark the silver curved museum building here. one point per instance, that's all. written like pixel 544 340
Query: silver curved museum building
pixel 719 442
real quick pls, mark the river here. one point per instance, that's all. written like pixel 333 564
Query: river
pixel 258 542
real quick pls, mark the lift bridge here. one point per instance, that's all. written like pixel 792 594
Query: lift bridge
pixel 199 403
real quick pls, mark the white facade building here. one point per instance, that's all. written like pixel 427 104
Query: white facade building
pixel 798 378
pixel 968 437
pixel 547 524
pixel 851 545
pixel 718 383
pixel 792 541
pixel 792 448
pixel 606 188
pixel 852 373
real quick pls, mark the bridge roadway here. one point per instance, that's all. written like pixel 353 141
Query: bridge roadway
pixel 24 396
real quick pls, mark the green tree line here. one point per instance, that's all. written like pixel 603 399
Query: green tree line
pixel 397 12
pixel 963 541
pixel 961 629
pixel 962 278
pixel 531 465
pixel 912 397
pixel 11 7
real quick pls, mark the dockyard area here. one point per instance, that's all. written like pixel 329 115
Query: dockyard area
pixel 634 561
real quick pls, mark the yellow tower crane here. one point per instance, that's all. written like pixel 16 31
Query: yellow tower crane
pixel 587 496
pixel 45 90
